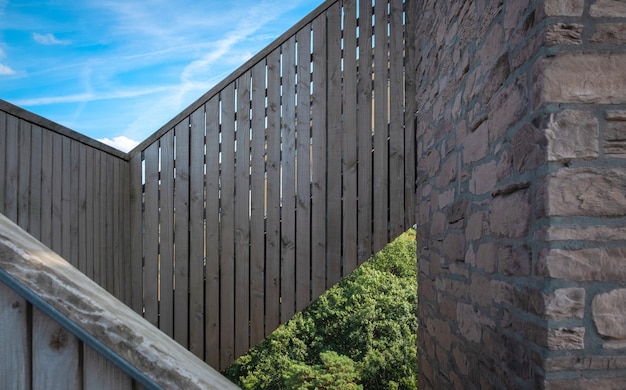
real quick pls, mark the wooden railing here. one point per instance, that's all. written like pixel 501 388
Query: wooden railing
pixel 250 203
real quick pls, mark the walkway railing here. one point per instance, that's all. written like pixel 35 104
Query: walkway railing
pixel 262 194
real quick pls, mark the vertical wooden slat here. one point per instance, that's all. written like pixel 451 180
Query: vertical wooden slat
pixel 396 123
pixel 23 175
pixel 303 167
pixel 124 230
pixel 364 128
pixel 104 215
pixel 57 185
pixel 288 210
pixel 82 208
pixel 15 340
pixel 196 234
pixel 116 257
pixel 100 373
pixel 46 188
pixel 409 116
pixel 333 189
pixel 74 203
pixel 12 168
pixel 257 210
pixel 109 249
pixel 227 229
pixel 381 170
pixel 55 355
pixel 90 214
pixel 97 220
pixel 349 140
pixel 212 292
pixel 318 134
pixel 181 234
pixel 3 159
pixel 272 201
pixel 66 200
pixel 166 238
pixel 35 182
pixel 136 231
pixel 151 238
pixel 242 217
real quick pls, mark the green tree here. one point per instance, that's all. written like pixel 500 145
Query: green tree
pixel 359 334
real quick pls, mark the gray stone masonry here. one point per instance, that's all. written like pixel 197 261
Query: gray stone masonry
pixel 521 204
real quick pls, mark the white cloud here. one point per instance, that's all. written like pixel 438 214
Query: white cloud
pixel 122 143
pixel 49 39
pixel 5 70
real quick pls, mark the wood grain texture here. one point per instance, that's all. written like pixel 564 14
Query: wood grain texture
pixel 101 373
pixel 15 355
pixel 55 351
pixel 166 235
pixel 94 312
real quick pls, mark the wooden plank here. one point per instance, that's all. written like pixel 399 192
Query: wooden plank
pixel 381 155
pixel 349 139
pixel 101 373
pixel 56 360
pixel 181 234
pixel 409 119
pixel 242 218
pixel 89 217
pixel 257 208
pixel 12 168
pixel 82 207
pixel 97 228
pixel 334 132
pixel 166 238
pixel 124 230
pixel 46 187
pixel 116 257
pixel 364 136
pixel 104 217
pixel 74 203
pixel 396 123
pixel 109 252
pixel 288 168
pixel 212 291
pixel 15 340
pixel 272 201
pixel 66 200
pixel 151 238
pixel 57 185
pixel 35 182
pixel 23 174
pixel 318 135
pixel 227 228
pixel 196 234
pixel 3 156
pixel 303 168
pixel 136 232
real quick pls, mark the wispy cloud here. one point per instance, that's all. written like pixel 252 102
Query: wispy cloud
pixel 6 70
pixel 122 143
pixel 49 39
pixel 92 96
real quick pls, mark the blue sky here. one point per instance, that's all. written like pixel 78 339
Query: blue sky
pixel 120 69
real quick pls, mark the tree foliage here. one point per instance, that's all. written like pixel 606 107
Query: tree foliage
pixel 358 335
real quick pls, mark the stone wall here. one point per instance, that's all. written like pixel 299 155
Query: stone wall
pixel 521 147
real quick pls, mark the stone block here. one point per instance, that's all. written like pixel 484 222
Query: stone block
pixel 609 314
pixel 566 338
pixel 448 172
pixel 608 8
pixel 507 107
pixel 454 247
pixel 564 7
pixel 565 303
pixel 468 322
pixel 475 144
pixel 457 211
pixel 564 34
pixel 475 226
pixel 583 78
pixel 514 261
pixel 486 256
pixel 572 134
pixel 587 192
pixel 609 34
pixel 615 125
pixel 480 290
pixel 591 264
pixel 528 148
pixel 608 381
pixel 510 215
pixel 588 233
pixel 483 178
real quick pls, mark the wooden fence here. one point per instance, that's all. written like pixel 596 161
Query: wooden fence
pixel 68 191
pixel 253 201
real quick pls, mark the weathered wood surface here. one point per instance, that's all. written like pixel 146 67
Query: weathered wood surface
pixel 100 318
